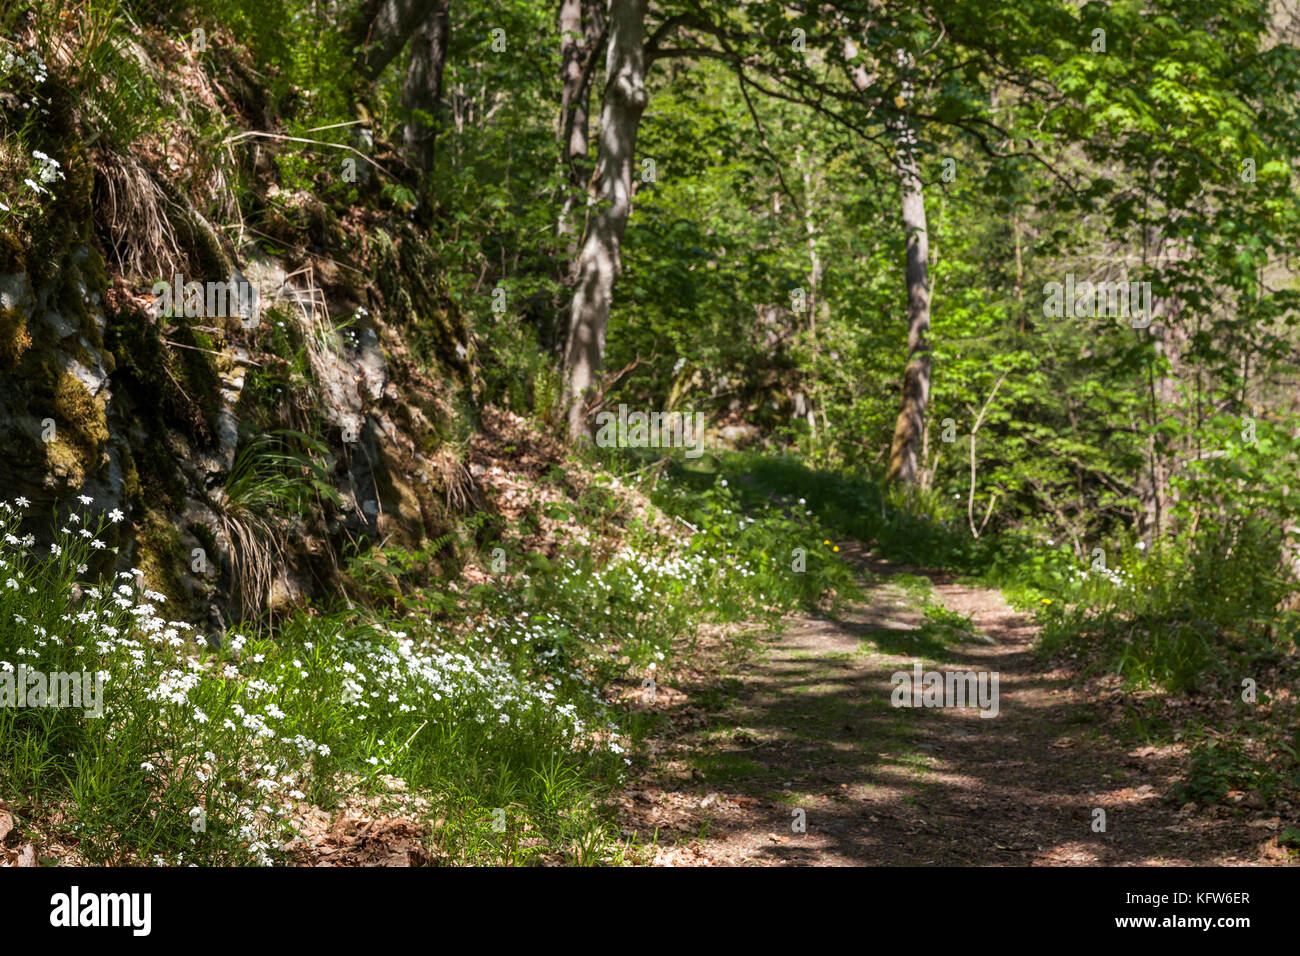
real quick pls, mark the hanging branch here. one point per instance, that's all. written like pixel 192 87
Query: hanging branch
pixel 762 137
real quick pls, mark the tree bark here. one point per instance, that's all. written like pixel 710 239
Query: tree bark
pixel 381 28
pixel 609 205
pixel 581 23
pixel 581 26
pixel 815 271
pixel 916 377
pixel 423 89
pixel 815 267
pixel 909 431
pixel 573 55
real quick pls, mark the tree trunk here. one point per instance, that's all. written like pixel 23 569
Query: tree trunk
pixel 815 270
pixel 581 25
pixel 580 28
pixel 909 432
pixel 381 28
pixel 1155 496
pixel 815 267
pixel 423 89
pixel 916 377
pixel 609 206
pixel 573 55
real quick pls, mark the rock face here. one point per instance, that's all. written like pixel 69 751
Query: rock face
pixel 55 396
pixel 250 459
pixel 160 416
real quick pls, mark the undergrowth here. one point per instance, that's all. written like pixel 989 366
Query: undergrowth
pixel 488 703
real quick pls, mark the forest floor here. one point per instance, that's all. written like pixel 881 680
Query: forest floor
pixel 805 722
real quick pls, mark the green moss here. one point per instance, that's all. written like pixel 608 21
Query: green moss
pixel 85 277
pixel 13 258
pixel 158 476
pixel 81 430
pixel 73 203
pixel 66 461
pixel 14 339
pixel 204 246
pixel 80 411
pixel 176 387
pixel 84 355
pixel 73 306
pixel 94 271
pixel 197 372
pixel 207 540
pixel 161 558
pixel 130 477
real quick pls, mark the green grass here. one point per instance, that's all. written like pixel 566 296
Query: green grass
pixel 488 703
pixel 724 768
pixel 491 703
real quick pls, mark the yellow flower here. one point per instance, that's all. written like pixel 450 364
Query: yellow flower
pixel 826 542
pixel 836 548
pixel 1047 600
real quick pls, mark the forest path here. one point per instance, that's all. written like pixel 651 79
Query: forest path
pixel 806 723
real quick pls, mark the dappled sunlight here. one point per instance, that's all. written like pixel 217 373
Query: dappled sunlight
pixel 878 784
pixel 614 433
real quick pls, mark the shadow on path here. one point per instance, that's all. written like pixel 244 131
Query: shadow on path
pixel 806 730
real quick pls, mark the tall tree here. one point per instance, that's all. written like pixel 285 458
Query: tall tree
pixel 379 30
pixel 422 91
pixel 609 205
pixel 581 30
pixel 909 430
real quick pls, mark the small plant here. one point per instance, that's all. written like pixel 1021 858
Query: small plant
pixel 1215 769
pixel 270 484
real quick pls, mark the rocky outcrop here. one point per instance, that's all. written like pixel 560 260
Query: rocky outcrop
pixel 147 414
pixel 163 414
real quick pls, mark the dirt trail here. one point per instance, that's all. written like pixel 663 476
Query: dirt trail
pixel 807 724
